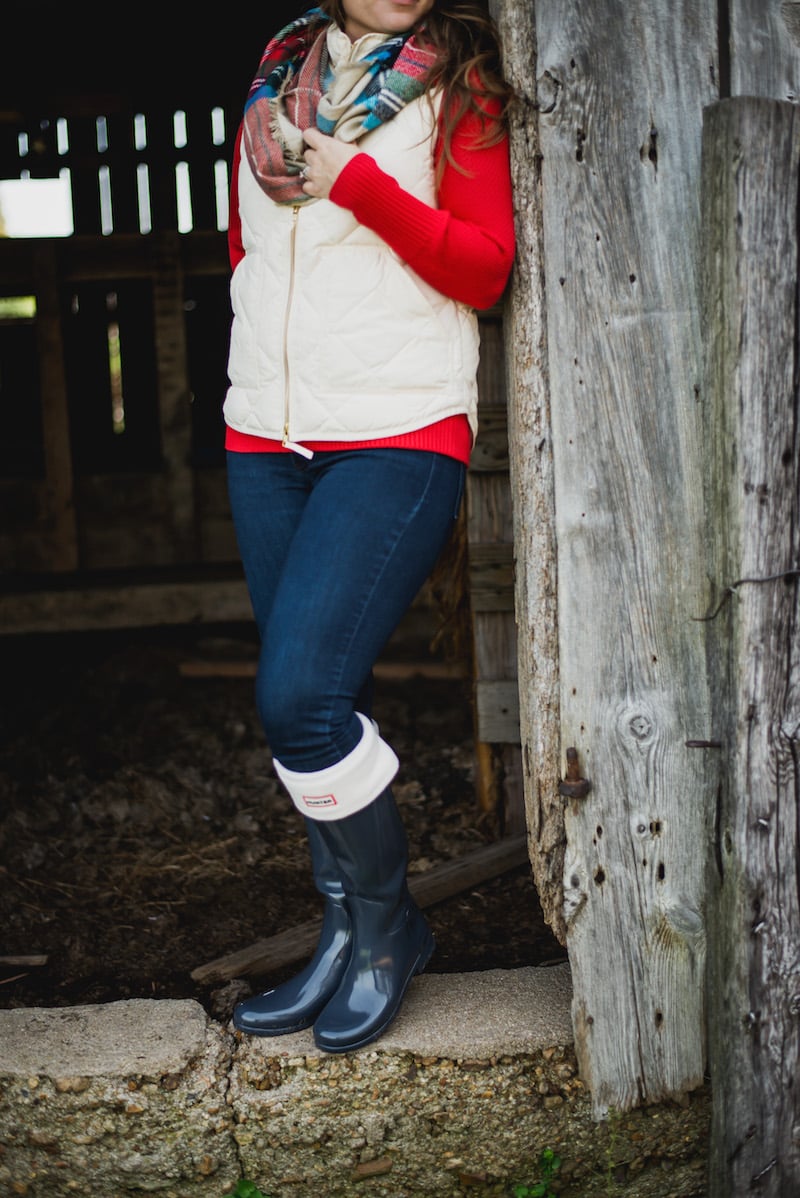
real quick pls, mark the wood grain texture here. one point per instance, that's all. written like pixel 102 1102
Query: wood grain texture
pixel 751 208
pixel 765 48
pixel 531 477
pixel 622 89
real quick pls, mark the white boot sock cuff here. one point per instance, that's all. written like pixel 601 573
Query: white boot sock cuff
pixel 347 786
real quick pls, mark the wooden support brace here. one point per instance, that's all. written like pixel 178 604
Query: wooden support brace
pixel 438 884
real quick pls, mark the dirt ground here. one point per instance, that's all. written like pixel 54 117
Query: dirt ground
pixel 143 832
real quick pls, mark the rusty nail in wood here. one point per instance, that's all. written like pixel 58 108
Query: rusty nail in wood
pixel 574 786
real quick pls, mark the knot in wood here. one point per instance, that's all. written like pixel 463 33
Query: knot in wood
pixel 547 88
pixel 640 726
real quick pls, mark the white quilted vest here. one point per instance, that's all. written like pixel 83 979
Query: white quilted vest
pixel 333 336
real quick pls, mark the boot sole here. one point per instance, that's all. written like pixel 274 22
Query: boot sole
pixel 280 1031
pixel 422 960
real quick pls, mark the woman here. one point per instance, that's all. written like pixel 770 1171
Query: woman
pixel 371 215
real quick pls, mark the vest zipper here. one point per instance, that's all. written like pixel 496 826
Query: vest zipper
pixel 287 444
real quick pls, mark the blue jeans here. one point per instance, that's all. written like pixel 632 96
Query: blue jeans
pixel 334 550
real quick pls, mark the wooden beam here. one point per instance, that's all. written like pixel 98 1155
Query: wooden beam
pixel 134 606
pixel 438 884
pixel 394 670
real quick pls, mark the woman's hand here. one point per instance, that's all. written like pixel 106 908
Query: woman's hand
pixel 325 159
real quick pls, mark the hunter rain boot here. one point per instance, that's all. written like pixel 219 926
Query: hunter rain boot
pixel 391 938
pixel 295 1004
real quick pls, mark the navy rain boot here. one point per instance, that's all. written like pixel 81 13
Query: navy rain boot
pixel 391 938
pixel 295 1004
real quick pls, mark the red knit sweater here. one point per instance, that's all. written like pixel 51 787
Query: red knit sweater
pixel 464 248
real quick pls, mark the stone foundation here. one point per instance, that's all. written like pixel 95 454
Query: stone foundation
pixel 475 1078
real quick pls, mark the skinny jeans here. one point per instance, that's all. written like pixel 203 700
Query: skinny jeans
pixel 334 549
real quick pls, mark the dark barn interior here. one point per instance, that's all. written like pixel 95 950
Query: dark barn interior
pixel 142 835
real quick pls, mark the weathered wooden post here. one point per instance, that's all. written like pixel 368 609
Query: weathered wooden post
pixel 751 207
pixel 531 477
pixel 605 393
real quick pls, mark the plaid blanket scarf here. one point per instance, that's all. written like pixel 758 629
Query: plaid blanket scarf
pixel 297 86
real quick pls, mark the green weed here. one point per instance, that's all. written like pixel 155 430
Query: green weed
pixel 549 1164
pixel 610 1151
pixel 246 1189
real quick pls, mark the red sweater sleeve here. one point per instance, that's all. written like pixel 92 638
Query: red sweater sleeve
pixel 235 247
pixel 465 247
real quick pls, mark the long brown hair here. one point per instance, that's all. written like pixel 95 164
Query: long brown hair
pixel 469 67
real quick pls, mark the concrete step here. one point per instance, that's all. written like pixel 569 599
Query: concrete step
pixel 473 1080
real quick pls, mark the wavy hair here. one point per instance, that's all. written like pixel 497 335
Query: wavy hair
pixel 469 66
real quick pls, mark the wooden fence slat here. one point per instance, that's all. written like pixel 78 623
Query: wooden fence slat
pixel 58 528
pixel 623 88
pixel 491 577
pixel 497 703
pixel 174 397
pixel 751 208
pixel 765 48
pixel 490 535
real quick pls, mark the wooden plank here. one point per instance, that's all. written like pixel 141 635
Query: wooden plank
pixel 491 577
pixel 623 89
pixel 764 42
pixel 393 670
pixel 174 399
pixel 497 711
pixel 751 209
pixel 491 448
pixel 487 779
pixel 87 257
pixel 491 366
pixel 495 653
pixel 491 593
pixel 491 586
pixel 499 783
pixel 133 606
pixel 57 529
pixel 514 821
pixel 435 886
pixel 490 518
